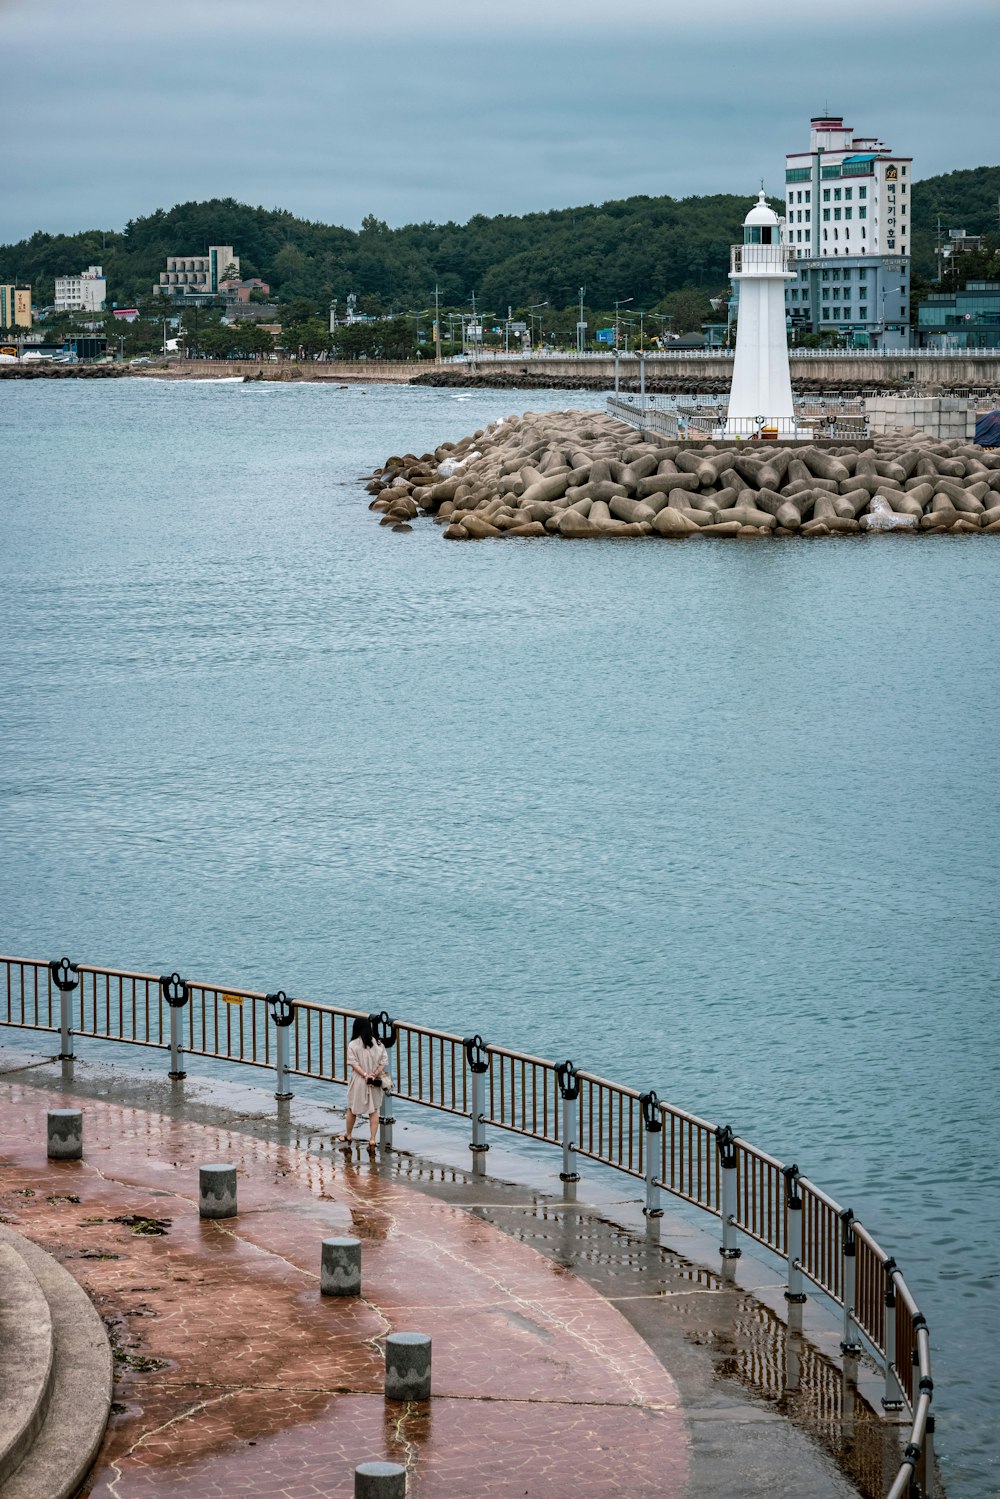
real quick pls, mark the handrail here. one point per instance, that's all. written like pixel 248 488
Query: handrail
pixel 636 1134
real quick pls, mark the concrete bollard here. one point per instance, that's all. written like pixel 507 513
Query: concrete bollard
pixel 408 1366
pixel 65 1134
pixel 340 1267
pixel 379 1481
pixel 217 1192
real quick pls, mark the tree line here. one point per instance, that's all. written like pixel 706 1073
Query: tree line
pixel 664 255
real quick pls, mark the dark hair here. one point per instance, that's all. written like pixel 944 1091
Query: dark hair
pixel 363 1027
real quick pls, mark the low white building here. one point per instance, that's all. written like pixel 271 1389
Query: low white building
pixel 86 292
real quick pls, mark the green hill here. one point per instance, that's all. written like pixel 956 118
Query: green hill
pixel 642 248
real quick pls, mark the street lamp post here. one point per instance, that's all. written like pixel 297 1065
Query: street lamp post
pixel 535 307
pixel 622 302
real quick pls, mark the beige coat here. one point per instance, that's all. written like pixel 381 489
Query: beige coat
pixel 361 1099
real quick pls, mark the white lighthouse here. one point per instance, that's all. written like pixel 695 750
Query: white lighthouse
pixel 762 386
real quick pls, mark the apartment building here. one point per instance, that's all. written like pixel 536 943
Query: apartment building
pixel 15 306
pixel 86 292
pixel 848 221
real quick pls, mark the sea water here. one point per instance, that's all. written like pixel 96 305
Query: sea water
pixel 719 819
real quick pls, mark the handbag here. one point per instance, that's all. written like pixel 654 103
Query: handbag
pixel 385 1081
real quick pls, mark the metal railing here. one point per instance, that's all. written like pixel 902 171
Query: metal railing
pixel 767 259
pixel 642 413
pixel 666 356
pixel 669 1149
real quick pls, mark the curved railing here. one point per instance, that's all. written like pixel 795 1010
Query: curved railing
pixel 665 1147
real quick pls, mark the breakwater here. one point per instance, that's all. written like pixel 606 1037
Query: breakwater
pixel 582 475
pixel 43 370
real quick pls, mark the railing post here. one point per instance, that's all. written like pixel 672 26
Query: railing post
pixel 725 1140
pixel 175 992
pixel 65 976
pixel 283 1014
pixel 652 1120
pixel 384 1030
pixel 569 1088
pixel 927 1460
pixel 892 1400
pixel 849 1345
pixel 477 1056
pixel 794 1295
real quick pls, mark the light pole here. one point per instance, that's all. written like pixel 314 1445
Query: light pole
pixel 437 327
pixel 622 302
pixel 535 307
pixel 581 327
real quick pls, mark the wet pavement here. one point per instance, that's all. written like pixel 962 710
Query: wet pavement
pixel 571 1356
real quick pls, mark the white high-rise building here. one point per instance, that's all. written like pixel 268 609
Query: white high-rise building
pixel 761 393
pixel 84 293
pixel 848 221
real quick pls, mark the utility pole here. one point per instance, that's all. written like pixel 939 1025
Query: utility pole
pixel 581 327
pixel 437 327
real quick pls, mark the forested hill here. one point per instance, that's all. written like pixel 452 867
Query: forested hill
pixel 642 248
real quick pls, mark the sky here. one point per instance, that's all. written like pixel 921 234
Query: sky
pixel 430 110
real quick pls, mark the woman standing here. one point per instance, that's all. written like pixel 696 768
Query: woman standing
pixel 367 1059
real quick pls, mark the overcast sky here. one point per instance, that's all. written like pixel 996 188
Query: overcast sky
pixel 439 109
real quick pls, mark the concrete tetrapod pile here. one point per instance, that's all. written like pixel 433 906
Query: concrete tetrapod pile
pixel 580 474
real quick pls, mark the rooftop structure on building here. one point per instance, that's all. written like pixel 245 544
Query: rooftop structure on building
pixel 86 292
pixel 15 306
pixel 848 220
pixel 198 278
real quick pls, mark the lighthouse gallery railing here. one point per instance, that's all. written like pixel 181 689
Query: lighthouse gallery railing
pixel 638 1134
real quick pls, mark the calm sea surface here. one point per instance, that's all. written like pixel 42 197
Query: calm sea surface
pixel 717 819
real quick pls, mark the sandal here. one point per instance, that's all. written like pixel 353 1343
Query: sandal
pixel 342 1140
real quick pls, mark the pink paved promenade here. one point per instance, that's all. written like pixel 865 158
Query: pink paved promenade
pixel 235 1377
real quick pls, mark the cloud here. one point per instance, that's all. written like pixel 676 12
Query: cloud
pixel 336 123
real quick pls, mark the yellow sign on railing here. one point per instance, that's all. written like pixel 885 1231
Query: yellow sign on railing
pixel 231 999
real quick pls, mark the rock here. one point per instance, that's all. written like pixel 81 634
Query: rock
pixel 458 533
pixel 402 526
pixel 664 483
pixel 788 518
pixel 479 529
pixel 746 515
pixel 631 510
pixel 669 522
pixel 532 528
pixel 722 528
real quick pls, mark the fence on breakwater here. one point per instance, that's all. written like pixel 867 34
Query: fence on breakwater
pixel 586 1116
